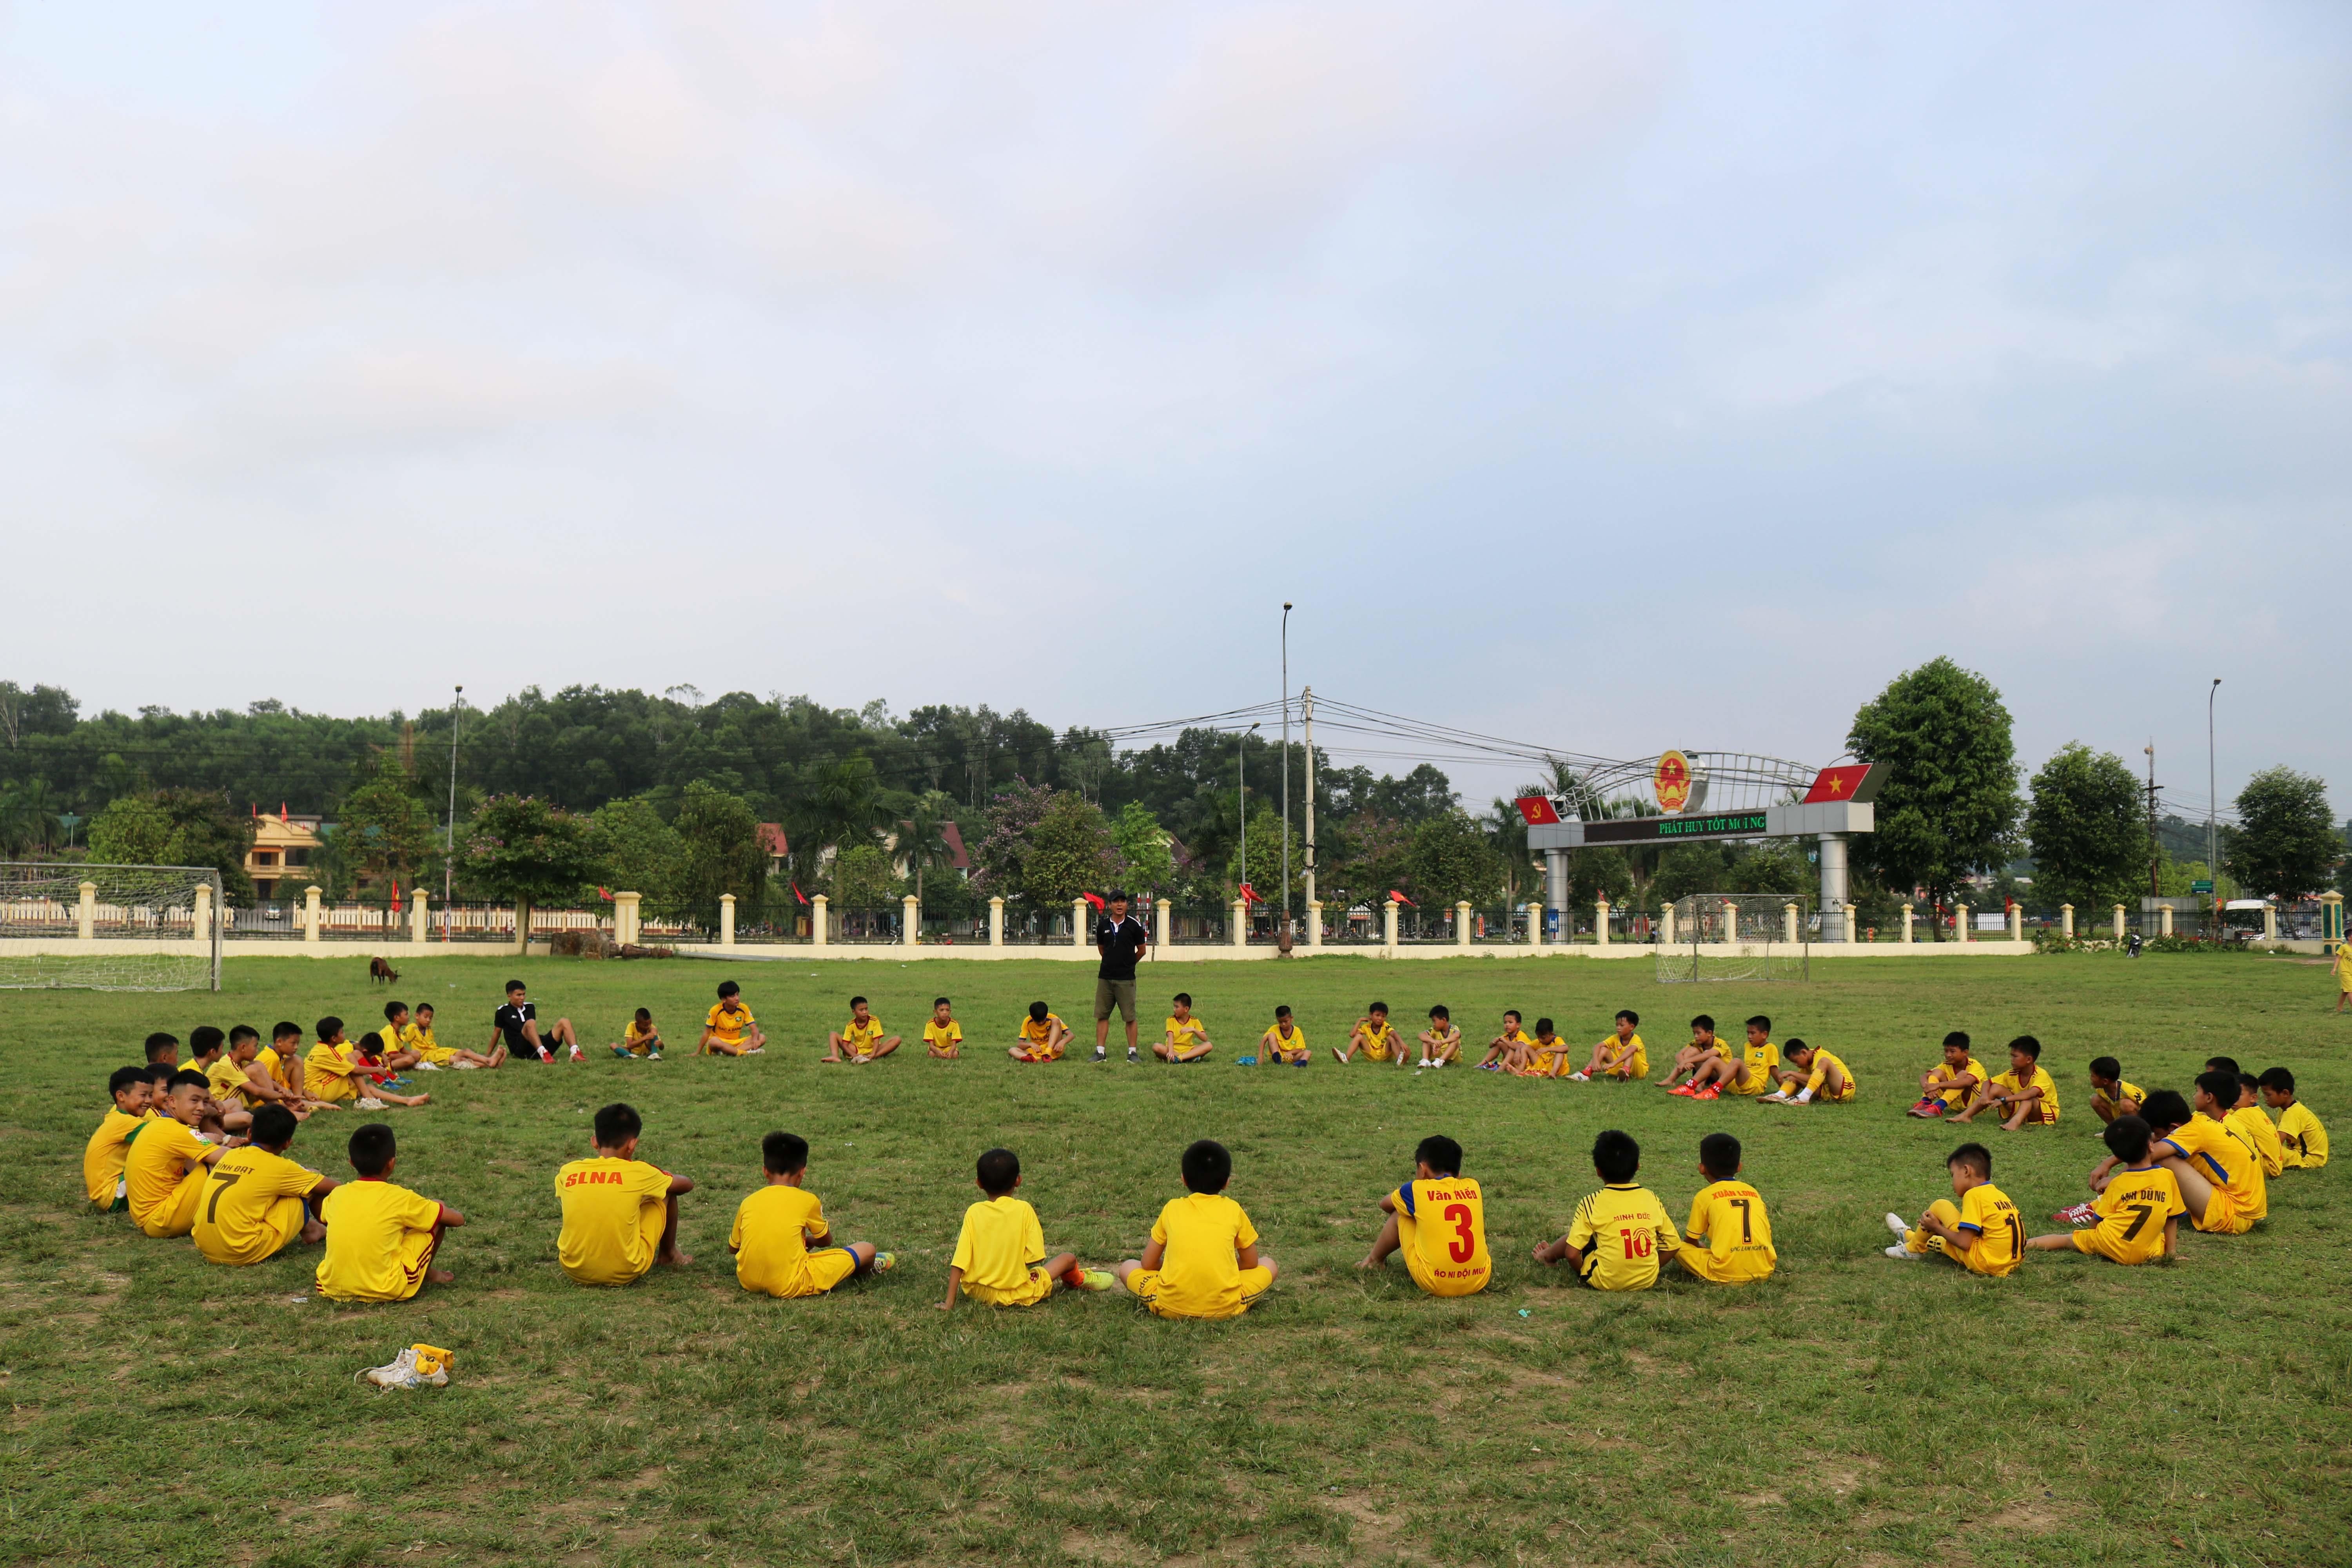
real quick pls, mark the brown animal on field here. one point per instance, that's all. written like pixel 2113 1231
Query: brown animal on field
pixel 379 970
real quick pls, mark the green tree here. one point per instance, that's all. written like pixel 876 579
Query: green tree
pixel 861 878
pixel 2087 827
pixel 2286 846
pixel 1452 860
pixel 1070 853
pixel 635 851
pixel 522 851
pixel 177 828
pixel 922 836
pixel 1949 806
pixel 131 831
pixel 1146 862
pixel 1265 844
pixel 384 829
pixel 29 816
pixel 721 834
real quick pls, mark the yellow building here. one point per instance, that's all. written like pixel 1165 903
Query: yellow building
pixel 283 850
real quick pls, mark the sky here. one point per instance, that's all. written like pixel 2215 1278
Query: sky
pixel 1611 377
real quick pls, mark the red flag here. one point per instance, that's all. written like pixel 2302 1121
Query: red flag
pixel 1399 898
pixel 1250 895
pixel 1845 783
pixel 799 897
pixel 396 895
pixel 605 894
pixel 281 814
pixel 1092 899
pixel 1537 809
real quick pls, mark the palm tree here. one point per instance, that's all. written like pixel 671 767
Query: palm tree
pixel 923 839
pixel 28 816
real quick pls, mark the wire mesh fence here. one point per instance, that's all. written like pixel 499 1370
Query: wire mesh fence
pixel 127 928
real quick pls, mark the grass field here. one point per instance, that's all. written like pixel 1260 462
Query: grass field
pixel 1851 1410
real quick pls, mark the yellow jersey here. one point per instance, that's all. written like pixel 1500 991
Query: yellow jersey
pixel 2258 1132
pixel 426 1048
pixel 225 1081
pixel 281 1069
pixel 103 1156
pixel 607 1205
pixel 2000 1231
pixel 1381 1041
pixel 1200 1268
pixel 861 1039
pixel 1757 1062
pixel 944 1036
pixel 1819 1078
pixel 1186 1032
pixel 2222 1159
pixel 771 1238
pixel 1727 1220
pixel 637 1039
pixel 236 1224
pixel 2046 1107
pixel 332 1073
pixel 1037 1032
pixel 1622 1230
pixel 2132 1212
pixel 1290 1049
pixel 2125 1090
pixel 1958 1098
pixel 1629 1055
pixel 1546 1052
pixel 379 1241
pixel 154 1164
pixel 1000 1239
pixel 1449 1234
pixel 2302 1141
pixel 727 1024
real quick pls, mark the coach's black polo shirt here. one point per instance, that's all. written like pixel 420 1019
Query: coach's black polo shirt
pixel 1120 942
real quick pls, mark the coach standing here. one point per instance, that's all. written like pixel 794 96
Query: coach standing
pixel 1121 938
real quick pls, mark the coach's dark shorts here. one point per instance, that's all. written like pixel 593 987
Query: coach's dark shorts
pixel 1111 993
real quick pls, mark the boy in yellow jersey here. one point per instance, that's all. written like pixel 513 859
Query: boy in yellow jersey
pixel 2221 1177
pixel 2024 1095
pixel 381 1236
pixel 1000 1255
pixel 1374 1036
pixel 1817 1075
pixel 282 1061
pixel 103 1156
pixel 2343 968
pixel 2303 1140
pixel 1203 1260
pixel 1703 1047
pixel 255 1200
pixel 1509 1051
pixel 1618 1232
pixel 780 1230
pixel 1729 1240
pixel 1547 1054
pixel 2137 1216
pixel 2253 1129
pixel 164 1049
pixel 249 1081
pixel 1951 1083
pixel 861 1039
pixel 2110 1096
pixel 639 1041
pixel 620 1213
pixel 398 1055
pixel 337 1072
pixel 1619 1054
pixel 1438 1220
pixel 208 1051
pixel 943 1035
pixel 1440 1043
pixel 1984 1234
pixel 1042 1037
pixel 165 1165
pixel 1186 1038
pixel 1285 1043
pixel 729 1029
pixel 1750 1073
pixel 419 1037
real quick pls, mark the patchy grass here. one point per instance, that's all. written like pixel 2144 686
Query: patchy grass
pixel 1848 1411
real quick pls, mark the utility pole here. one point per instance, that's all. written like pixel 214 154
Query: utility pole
pixel 1286 773
pixel 449 831
pixel 2155 883
pixel 1307 709
pixel 1241 819
pixel 2212 837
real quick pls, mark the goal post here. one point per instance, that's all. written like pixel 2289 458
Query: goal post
pixel 1736 936
pixel 65 924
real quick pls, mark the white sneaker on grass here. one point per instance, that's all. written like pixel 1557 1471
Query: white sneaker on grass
pixel 428 1067
pixel 1898 1225
pixel 369 1102
pixel 465 1067
pixel 1902 1253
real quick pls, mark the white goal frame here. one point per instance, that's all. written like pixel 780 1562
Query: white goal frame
pixel 68 924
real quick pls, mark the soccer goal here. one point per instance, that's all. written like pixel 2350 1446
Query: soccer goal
pixel 1736 936
pixel 109 928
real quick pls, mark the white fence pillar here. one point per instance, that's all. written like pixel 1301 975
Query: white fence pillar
pixel 1853 931
pixel 911 919
pixel 1078 923
pixel 1907 916
pixel 1314 924
pixel 1389 929
pixel 1462 923
pixel 419 912
pixel 1960 924
pixel 311 914
pixel 2270 923
pixel 1163 920
pixel 2066 921
pixel 820 922
pixel 1535 924
pixel 627 912
pixel 1788 924
pixel 86 914
pixel 1240 923
pixel 1601 920
pixel 996 921
pixel 201 924
pixel 1666 925
pixel 727 919
pixel 2119 922
pixel 2017 922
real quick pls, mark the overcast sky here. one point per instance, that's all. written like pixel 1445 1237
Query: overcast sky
pixel 1610 377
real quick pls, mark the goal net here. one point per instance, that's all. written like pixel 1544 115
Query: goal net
pixel 1734 936
pixel 109 928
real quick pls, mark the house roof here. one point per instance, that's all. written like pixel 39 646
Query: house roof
pixel 772 837
pixel 960 857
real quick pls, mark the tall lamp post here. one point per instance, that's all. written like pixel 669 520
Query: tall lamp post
pixel 449 832
pixel 1241 817
pixel 1286 771
pixel 2212 837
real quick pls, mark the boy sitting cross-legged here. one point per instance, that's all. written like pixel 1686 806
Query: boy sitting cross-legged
pixel 1508 1051
pixel 729 1029
pixel 1729 1240
pixel 164 1167
pixel 943 1035
pixel 1203 1260
pixel 1545 1056
pixel 1619 1054
pixel 1619 1231
pixel 257 1200
pixel 1951 1083
pixel 861 1039
pixel 1438 1219
pixel 2137 1216
pixel 2024 1095
pixel 620 1213
pixel 1186 1038
pixel 1819 1074
pixel 381 1236
pixel 2258 1131
pixel 2303 1140
pixel 1042 1037
pixel 1000 1255
pixel 639 1041
pixel 1440 1043
pixel 253 1085
pixel 2110 1096
pixel 103 1156
pixel 1285 1042
pixel 1750 1072
pixel 2221 1178
pixel 1703 1047
pixel 775 1227
pixel 400 1052
pixel 1374 1036
pixel 1983 1234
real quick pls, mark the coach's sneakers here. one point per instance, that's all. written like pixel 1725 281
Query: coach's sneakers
pixel 1904 1254
pixel 1898 1225
pixel 1133 1055
pixel 2081 1214
pixel 1101 1054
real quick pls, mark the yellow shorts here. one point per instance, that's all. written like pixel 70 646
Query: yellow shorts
pixel 1144 1283
pixel 1039 1286
pixel 177 1217
pixel 1378 1050
pixel 2093 1243
pixel 2223 1216
pixel 1638 1068
pixel 1751 1080
pixel 440 1056
pixel 1425 1277
pixel 1822 1095
pixel 285 1223
pixel 1950 1213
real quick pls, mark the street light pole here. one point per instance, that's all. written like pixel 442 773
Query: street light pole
pixel 1241 815
pixel 449 831
pixel 2212 837
pixel 1286 770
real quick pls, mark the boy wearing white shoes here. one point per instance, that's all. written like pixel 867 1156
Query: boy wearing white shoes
pixel 1818 1076
pixel 1440 1043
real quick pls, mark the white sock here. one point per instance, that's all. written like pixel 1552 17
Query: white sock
pixel 1804 1095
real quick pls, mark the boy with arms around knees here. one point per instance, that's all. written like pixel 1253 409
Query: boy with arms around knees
pixel 1203 1260
pixel 1951 1084
pixel 729 1029
pixel 1729 1240
pixel 943 1035
pixel 1440 1043
pixel 1618 1232
pixel 2303 1140
pixel 1619 1054
pixel 1547 1054
pixel 2253 1129
pixel 859 1040
pixel 164 1168
pixel 257 1200
pixel 2024 1095
pixel 1983 1233
pixel 1285 1042
pixel 1703 1047
pixel 381 1236
pixel 1000 1255
pixel 1509 1051
pixel 1042 1037
pixel 1819 1074
pixel 639 1039
pixel 103 1156
pixel 1374 1037
pixel 780 1230
pixel 2110 1096
pixel 2137 1216
pixel 1186 1038
pixel 2221 1178
pixel 620 1212
pixel 1438 1220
